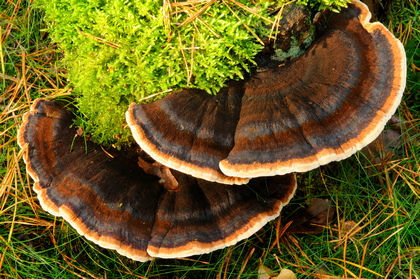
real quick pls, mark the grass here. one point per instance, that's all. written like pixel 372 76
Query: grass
pixel 374 234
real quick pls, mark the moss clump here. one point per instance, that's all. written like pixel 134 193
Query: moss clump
pixel 333 5
pixel 121 51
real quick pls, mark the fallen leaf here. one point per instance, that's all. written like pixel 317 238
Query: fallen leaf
pixel 265 272
pixel 350 226
pixel 286 274
pixel 312 219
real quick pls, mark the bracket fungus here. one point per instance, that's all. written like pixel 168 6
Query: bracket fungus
pixel 110 200
pixel 320 107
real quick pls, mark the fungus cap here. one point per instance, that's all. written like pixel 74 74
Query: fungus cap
pixel 320 107
pixel 110 200
pixel 190 130
pixel 326 105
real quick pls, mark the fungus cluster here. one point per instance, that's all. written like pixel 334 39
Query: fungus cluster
pixel 110 200
pixel 318 108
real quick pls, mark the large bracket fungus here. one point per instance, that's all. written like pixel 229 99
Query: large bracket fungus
pixel 321 107
pixel 110 200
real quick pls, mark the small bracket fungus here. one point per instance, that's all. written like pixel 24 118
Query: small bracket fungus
pixel 116 204
pixel 320 107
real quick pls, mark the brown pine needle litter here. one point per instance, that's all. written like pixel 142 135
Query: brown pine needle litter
pixel 374 234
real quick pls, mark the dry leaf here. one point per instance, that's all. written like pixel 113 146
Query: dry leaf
pixel 350 226
pixel 266 273
pixel 312 219
pixel 286 274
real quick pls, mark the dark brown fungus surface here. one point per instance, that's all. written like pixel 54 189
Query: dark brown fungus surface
pixel 110 200
pixel 321 107
pixel 190 131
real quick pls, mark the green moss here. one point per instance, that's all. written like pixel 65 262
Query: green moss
pixel 118 52
pixel 334 5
